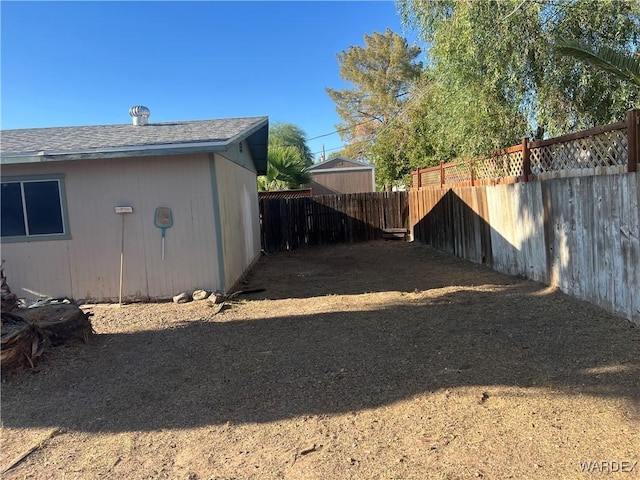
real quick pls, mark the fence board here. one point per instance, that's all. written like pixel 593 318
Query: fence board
pixel 290 223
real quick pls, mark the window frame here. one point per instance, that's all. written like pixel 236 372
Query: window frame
pixel 21 179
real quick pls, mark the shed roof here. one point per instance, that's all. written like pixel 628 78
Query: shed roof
pixel 113 141
pixel 328 164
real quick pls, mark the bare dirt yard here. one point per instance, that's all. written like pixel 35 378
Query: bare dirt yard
pixel 383 360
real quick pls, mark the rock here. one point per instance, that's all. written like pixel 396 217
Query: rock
pixel 216 297
pixel 182 298
pixel 200 294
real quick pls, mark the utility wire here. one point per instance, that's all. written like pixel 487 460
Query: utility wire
pixel 327 150
pixel 346 128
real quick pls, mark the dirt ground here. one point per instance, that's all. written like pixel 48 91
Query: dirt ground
pixel 384 360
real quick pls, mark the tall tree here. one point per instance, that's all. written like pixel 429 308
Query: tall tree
pixel 497 76
pixel 283 134
pixel 380 73
pixel 287 158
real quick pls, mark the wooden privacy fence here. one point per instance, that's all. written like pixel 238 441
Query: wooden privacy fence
pixel 580 234
pixel 607 149
pixel 290 223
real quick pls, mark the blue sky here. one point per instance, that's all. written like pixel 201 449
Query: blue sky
pixel 87 63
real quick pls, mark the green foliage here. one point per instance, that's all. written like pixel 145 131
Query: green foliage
pixel 625 67
pixel 288 158
pixel 287 134
pixel 337 153
pixel 381 73
pixel 495 76
pixel 285 169
pixel 388 154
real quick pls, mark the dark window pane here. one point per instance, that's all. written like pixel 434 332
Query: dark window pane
pixel 11 214
pixel 44 212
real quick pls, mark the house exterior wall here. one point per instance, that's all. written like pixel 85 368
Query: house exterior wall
pixel 330 183
pixel 88 264
pixel 237 195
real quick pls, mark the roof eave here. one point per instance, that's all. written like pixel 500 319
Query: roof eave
pixel 258 141
pixel 357 163
pixel 116 152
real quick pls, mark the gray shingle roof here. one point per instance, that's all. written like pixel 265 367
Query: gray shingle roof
pixel 90 138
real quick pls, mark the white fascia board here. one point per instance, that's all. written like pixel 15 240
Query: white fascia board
pixel 346 169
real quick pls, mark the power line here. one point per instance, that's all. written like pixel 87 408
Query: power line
pixel 339 130
pixel 328 150
pixel 401 94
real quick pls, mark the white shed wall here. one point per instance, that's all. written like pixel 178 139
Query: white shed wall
pixel 88 265
pixel 239 216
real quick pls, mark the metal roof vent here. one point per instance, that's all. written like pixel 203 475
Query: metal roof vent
pixel 140 115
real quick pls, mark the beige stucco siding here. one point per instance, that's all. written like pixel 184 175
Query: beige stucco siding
pixel 88 264
pixel 239 217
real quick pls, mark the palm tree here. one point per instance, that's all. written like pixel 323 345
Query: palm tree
pixel 285 169
pixel 287 134
pixel 624 66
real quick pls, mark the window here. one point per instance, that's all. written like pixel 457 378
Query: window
pixel 32 208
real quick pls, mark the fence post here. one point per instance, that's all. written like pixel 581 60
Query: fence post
pixel 441 173
pixel 473 173
pixel 633 139
pixel 526 160
pixel 419 178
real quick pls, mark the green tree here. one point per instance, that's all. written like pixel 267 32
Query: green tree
pixel 380 73
pixel 287 134
pixel 389 155
pixel 286 169
pixel 496 76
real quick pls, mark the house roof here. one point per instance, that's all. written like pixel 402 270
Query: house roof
pixel 327 164
pixel 114 141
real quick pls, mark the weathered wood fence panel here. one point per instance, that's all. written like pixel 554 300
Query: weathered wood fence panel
pixel 579 234
pixel 290 223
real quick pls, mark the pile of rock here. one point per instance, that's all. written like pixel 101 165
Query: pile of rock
pixel 215 297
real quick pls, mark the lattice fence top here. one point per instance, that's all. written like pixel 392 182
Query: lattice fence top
pixel 458 172
pixel 431 178
pixel 602 150
pixel 502 165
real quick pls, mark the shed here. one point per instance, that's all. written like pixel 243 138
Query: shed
pixel 66 192
pixel 342 175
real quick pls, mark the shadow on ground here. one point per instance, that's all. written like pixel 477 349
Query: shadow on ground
pixel 206 373
pixel 351 269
